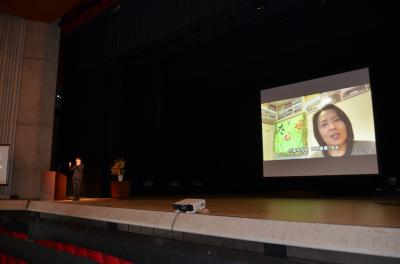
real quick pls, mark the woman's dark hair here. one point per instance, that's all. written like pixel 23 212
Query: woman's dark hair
pixel 344 118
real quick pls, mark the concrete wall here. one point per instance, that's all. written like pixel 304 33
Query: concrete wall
pixel 36 85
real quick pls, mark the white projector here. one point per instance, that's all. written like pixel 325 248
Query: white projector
pixel 189 205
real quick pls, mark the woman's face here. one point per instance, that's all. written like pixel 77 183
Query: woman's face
pixel 331 128
pixel 78 162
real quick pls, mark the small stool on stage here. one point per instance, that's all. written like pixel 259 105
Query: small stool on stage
pixel 389 194
pixel 120 189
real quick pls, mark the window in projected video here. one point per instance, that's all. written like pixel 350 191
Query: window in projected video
pixel 323 126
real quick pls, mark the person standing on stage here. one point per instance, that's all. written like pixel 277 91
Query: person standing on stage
pixel 77 177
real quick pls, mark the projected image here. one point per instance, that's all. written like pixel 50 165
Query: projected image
pixel 4 149
pixel 319 127
pixel 328 124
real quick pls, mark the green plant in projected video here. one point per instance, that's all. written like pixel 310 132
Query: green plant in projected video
pixel 290 137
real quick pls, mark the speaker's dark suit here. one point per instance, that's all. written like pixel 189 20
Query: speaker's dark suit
pixel 77 180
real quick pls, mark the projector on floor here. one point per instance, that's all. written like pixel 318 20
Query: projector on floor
pixel 189 205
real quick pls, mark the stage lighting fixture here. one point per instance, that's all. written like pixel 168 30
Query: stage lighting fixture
pixel 260 6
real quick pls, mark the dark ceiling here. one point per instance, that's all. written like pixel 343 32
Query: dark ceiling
pixel 38 10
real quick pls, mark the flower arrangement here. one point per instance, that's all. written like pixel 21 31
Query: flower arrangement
pixel 118 168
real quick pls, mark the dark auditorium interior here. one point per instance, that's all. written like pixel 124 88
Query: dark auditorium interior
pixel 152 83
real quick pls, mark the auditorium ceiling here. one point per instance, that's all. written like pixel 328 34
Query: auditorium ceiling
pixel 38 10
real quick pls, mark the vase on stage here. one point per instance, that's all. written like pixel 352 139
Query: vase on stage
pixel 120 178
pixel 118 169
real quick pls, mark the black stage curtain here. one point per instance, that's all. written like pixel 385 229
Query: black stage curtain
pixel 180 102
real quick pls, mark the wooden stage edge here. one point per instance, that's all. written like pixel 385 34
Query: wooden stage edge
pixel 344 225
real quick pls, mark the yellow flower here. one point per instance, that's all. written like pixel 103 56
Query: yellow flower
pixel 118 168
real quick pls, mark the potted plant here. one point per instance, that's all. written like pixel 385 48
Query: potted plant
pixel 118 169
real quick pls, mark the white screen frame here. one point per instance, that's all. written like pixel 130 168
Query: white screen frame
pixel 4 156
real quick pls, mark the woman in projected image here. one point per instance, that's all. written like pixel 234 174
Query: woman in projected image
pixel 334 133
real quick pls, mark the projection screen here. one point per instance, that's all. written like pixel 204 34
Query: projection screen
pixel 319 127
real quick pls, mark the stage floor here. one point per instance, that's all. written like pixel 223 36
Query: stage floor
pixel 341 211
pixel 350 225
